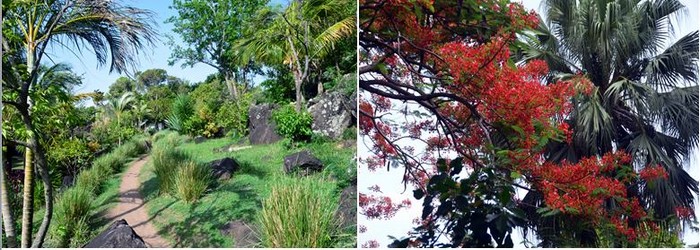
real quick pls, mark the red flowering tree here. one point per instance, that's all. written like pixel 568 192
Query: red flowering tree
pixel 475 127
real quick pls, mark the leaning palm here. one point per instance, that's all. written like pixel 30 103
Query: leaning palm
pixel 645 99
pixel 112 31
pixel 299 36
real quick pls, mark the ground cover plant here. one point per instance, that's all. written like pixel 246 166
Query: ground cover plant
pixel 241 197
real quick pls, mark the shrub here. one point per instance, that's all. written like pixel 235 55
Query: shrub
pixel 72 207
pixel 234 116
pixel 81 233
pixel 299 213
pixel 109 163
pixel 91 179
pixel 182 110
pixel 293 125
pixel 166 158
pixel 191 181
pixel 161 135
pixel 132 148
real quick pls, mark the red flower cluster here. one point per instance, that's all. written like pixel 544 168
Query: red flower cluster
pixel 651 173
pixel 685 212
pixel 377 207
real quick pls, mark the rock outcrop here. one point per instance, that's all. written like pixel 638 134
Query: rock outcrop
pixel 262 128
pixel 118 235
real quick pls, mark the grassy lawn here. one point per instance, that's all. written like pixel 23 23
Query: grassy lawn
pixel 239 198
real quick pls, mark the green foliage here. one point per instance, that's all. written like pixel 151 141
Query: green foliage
pixel 233 117
pixel 121 86
pixel 150 77
pixel 92 179
pixel 299 213
pixel 191 181
pixel 293 125
pixel 182 109
pixel 279 87
pixel 71 212
pixel 350 133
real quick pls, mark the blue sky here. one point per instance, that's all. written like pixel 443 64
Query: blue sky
pixel 84 62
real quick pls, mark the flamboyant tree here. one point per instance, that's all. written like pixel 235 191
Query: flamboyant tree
pixel 475 125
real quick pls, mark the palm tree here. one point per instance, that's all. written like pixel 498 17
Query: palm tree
pixel 645 99
pixel 116 107
pixel 142 112
pixel 112 31
pixel 302 34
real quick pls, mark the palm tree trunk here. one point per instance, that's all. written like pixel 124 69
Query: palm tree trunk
pixel 28 199
pixel 39 158
pixel 297 89
pixel 7 218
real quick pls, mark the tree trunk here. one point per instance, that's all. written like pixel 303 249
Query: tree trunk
pixel 28 199
pixel 231 84
pixel 297 89
pixel 39 157
pixel 7 218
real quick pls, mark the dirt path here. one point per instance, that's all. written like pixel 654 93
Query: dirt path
pixel 131 207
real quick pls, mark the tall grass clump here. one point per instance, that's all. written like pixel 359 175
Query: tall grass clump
pixel 72 207
pixel 166 159
pixel 92 179
pixel 191 181
pixel 299 212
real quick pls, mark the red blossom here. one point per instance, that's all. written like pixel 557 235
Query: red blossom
pixel 651 173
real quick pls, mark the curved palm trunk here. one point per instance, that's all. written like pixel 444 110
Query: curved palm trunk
pixel 35 151
pixel 28 199
pixel 7 218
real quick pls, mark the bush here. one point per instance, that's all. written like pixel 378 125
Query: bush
pixel 234 117
pixel 182 110
pixel 191 181
pixel 92 179
pixel 166 159
pixel 109 163
pixel 299 213
pixel 161 135
pixel 132 148
pixel 293 125
pixel 72 207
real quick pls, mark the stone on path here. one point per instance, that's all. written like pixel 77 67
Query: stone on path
pixel 118 235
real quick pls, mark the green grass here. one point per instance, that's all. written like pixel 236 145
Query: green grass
pixel 299 213
pixel 240 198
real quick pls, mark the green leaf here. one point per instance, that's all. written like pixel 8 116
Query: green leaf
pixel 418 194
pixel 515 175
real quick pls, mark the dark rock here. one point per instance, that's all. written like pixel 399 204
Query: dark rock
pixel 347 210
pixel 67 182
pixel 118 235
pixel 331 113
pixel 242 233
pixel 222 169
pixel 199 139
pixel 303 162
pixel 262 129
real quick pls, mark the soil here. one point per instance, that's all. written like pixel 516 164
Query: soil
pixel 132 208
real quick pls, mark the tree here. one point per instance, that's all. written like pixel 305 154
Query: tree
pixel 644 96
pixel 210 29
pixel 116 107
pixel 150 77
pixel 444 101
pixel 300 36
pixel 109 29
pixel 122 85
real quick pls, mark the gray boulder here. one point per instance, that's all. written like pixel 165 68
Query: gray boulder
pixel 222 169
pixel 262 129
pixel 199 139
pixel 303 163
pixel 347 211
pixel 332 113
pixel 118 235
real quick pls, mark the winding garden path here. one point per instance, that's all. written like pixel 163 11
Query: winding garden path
pixel 132 208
